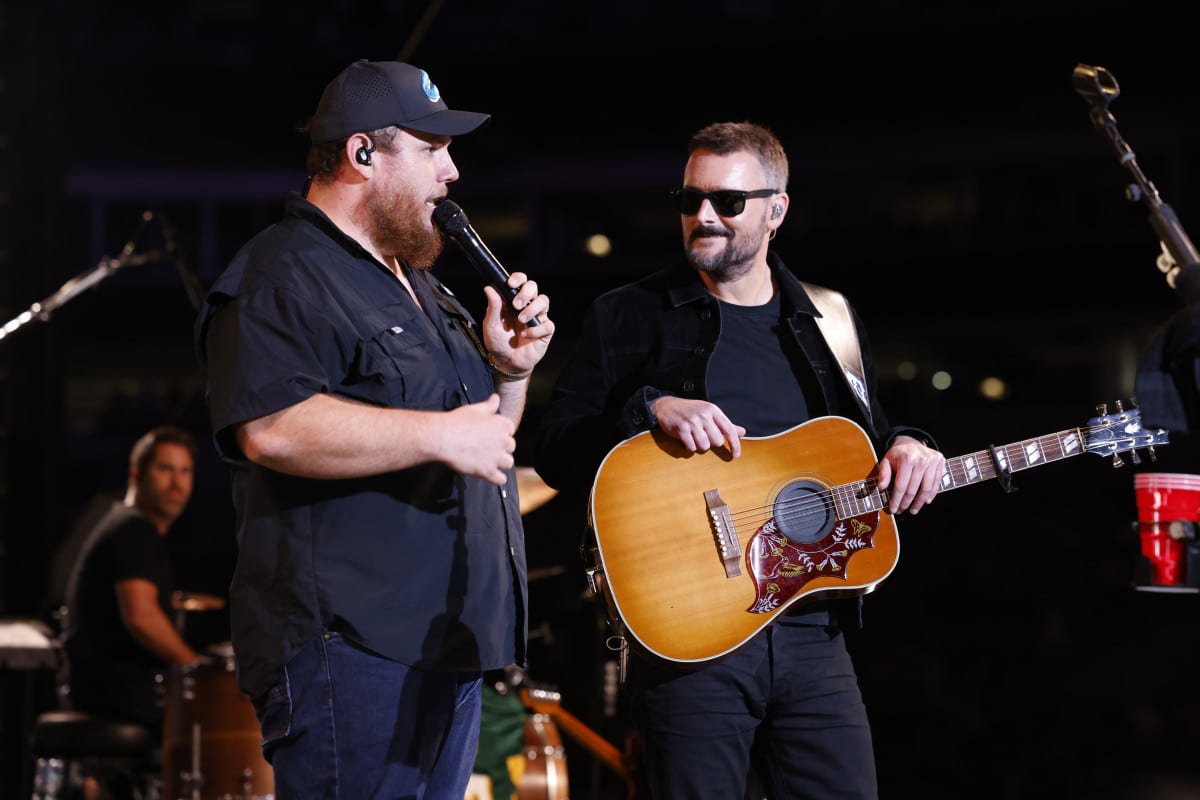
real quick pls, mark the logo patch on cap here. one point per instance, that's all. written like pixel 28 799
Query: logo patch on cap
pixel 429 88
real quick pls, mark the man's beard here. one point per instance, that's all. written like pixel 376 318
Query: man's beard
pixel 732 261
pixel 395 223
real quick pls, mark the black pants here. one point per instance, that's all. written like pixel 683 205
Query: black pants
pixel 790 696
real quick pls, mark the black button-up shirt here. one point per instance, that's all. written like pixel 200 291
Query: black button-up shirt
pixel 424 566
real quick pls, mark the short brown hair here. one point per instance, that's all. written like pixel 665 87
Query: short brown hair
pixel 724 138
pixel 143 450
pixel 324 159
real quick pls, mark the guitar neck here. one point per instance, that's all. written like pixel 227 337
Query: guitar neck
pixel 862 497
pixel 1015 457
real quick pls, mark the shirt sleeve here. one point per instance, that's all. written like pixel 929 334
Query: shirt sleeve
pixel 266 350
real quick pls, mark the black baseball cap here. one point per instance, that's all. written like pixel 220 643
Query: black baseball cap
pixel 369 95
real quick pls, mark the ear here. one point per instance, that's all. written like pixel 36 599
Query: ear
pixel 357 142
pixel 777 212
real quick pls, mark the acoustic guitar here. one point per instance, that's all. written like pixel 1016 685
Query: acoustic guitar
pixel 700 551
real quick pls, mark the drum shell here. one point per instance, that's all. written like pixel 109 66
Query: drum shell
pixel 208 719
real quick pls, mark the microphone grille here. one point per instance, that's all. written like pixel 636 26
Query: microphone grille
pixel 449 217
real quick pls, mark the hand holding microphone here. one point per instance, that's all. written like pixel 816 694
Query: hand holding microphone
pixel 453 222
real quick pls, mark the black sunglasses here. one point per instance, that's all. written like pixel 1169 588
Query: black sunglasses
pixel 726 202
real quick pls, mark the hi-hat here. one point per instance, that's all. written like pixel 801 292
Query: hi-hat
pixel 532 490
pixel 189 601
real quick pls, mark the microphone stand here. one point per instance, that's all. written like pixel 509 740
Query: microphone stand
pixel 1181 261
pixel 41 312
pixel 1167 380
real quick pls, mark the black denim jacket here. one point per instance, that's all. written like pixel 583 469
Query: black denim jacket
pixel 655 337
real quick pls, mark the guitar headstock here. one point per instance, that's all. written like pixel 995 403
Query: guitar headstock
pixel 1119 432
pixel 541 700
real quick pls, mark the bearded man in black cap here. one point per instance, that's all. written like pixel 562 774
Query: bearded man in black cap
pixel 369 424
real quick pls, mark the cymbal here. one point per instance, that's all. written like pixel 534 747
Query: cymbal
pixel 188 601
pixel 532 490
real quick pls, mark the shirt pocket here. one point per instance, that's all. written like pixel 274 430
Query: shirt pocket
pixel 399 366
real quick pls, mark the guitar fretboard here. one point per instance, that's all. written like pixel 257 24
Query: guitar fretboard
pixel 863 497
pixel 981 466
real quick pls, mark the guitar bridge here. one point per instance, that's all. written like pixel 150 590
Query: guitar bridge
pixel 721 522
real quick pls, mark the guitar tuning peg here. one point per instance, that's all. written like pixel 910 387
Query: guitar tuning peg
pixel 1153 455
pixel 1117 461
pixel 1120 407
pixel 1102 409
pixel 1134 455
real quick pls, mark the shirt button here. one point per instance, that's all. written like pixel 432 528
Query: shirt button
pixel 706 314
pixel 504 493
pixel 637 418
pixel 688 386
pixel 698 350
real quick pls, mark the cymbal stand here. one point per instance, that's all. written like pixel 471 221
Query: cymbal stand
pixel 41 312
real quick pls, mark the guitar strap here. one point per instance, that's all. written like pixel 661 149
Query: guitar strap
pixel 837 326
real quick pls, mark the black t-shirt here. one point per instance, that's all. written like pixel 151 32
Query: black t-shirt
pixel 758 377
pixel 755 372
pixel 110 673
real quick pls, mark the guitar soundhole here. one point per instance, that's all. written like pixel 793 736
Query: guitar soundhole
pixel 804 511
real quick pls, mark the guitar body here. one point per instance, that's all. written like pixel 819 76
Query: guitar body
pixel 697 552
pixel 544 776
pixel 684 593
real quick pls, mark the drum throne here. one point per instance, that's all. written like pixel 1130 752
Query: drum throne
pixel 80 756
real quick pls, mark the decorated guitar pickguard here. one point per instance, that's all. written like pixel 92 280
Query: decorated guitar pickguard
pixel 781 566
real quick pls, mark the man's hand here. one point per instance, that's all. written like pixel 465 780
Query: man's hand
pixel 914 473
pixel 515 347
pixel 699 424
pixel 476 440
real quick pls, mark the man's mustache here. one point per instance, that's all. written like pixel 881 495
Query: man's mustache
pixel 696 234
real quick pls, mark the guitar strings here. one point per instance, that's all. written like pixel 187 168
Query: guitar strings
pixel 785 511
pixel 798 508
pixel 984 469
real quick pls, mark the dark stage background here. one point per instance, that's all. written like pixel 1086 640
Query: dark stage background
pixel 945 176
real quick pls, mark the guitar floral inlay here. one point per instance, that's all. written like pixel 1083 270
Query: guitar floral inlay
pixel 781 567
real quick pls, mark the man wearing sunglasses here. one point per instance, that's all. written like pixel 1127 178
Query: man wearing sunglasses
pixel 723 345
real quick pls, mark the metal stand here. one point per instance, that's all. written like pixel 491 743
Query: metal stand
pixel 1180 261
pixel 41 312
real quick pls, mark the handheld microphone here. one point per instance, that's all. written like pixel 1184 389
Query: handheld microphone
pixel 453 222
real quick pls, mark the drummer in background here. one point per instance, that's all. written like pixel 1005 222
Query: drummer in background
pixel 119 633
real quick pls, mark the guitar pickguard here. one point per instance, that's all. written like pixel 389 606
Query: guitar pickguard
pixel 781 567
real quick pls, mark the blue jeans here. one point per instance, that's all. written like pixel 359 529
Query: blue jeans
pixel 787 703
pixel 343 723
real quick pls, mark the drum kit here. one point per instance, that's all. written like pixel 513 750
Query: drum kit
pixel 211 739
